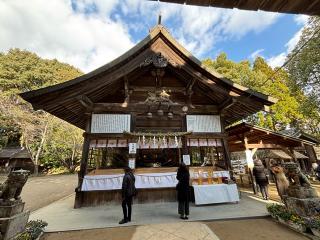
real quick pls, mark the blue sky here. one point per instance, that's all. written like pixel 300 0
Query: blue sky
pixel 90 33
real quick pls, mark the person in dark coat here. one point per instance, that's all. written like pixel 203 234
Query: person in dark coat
pixel 183 177
pixel 318 171
pixel 128 191
pixel 259 173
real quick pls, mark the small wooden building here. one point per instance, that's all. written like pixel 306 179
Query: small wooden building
pixel 280 145
pixel 151 108
pixel 15 158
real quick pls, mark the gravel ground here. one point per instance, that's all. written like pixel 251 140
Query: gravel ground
pixel 41 191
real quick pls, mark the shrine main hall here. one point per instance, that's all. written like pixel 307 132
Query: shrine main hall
pixel 151 109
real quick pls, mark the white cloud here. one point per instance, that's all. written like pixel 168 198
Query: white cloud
pixel 293 41
pixel 278 60
pixel 200 28
pixel 238 22
pixel 256 53
pixel 53 30
pixel 90 33
pixel 301 19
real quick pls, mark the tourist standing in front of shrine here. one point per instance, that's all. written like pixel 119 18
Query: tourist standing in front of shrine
pixel 318 171
pixel 259 173
pixel 183 177
pixel 128 191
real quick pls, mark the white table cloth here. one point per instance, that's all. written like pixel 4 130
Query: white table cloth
pixel 215 193
pixel 144 180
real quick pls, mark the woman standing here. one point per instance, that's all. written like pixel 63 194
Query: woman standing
pixel 259 172
pixel 183 177
pixel 128 191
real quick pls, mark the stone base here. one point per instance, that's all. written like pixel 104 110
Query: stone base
pixel 8 211
pixel 307 207
pixel 301 192
pixel 12 226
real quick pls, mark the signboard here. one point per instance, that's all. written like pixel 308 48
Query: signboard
pixel 110 123
pixel 132 148
pixel 186 159
pixel 132 163
pixel 203 123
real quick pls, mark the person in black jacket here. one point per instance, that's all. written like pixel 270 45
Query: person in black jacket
pixel 318 171
pixel 128 191
pixel 259 173
pixel 183 177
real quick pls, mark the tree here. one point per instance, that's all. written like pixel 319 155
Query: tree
pixel 304 71
pixel 262 78
pixel 23 71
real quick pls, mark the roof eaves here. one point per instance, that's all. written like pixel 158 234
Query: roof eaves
pixel 153 33
pixel 215 74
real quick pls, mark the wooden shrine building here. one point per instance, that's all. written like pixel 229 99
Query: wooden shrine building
pixel 151 108
pixel 248 138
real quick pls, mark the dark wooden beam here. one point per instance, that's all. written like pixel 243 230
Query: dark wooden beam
pixel 142 107
pixel 263 145
pixel 227 104
pixel 152 89
pixel 85 101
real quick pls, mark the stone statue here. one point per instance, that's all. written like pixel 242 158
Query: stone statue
pixel 282 181
pixel 301 198
pixel 11 189
pixel 295 176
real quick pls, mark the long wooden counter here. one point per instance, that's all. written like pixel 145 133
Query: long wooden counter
pixel 100 197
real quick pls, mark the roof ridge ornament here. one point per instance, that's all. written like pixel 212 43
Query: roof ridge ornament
pixel 158 61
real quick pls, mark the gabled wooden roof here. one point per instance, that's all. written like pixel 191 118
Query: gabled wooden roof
pixel 14 153
pixel 64 100
pixel 310 7
pixel 256 136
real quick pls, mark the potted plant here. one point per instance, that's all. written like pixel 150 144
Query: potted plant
pixel 284 216
pixel 297 223
pixel 314 225
pixel 275 209
pixel 33 231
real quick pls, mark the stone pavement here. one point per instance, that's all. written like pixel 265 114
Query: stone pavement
pixel 61 216
pixel 174 231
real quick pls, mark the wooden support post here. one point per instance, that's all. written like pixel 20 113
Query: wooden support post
pixel 83 164
pixel 184 138
pixel 227 153
pixel 311 154
pixel 225 144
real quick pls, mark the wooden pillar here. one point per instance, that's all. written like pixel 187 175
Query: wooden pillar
pixel 184 138
pixel 225 144
pixel 84 163
pixel 311 155
pixel 227 153
pixel 300 163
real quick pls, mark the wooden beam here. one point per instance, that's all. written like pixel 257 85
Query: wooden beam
pixel 85 101
pixel 262 145
pixel 126 92
pixel 160 89
pixel 142 107
pixel 226 104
